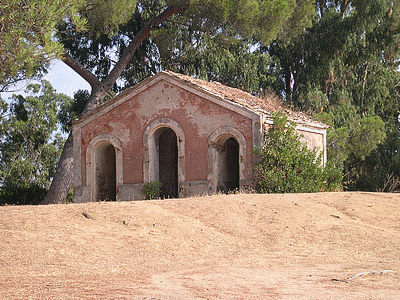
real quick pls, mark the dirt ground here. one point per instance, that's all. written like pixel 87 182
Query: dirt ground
pixel 292 246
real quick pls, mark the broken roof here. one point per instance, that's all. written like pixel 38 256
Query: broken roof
pixel 264 106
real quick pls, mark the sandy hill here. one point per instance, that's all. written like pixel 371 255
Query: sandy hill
pixel 293 246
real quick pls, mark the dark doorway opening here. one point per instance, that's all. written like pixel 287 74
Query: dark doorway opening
pixel 228 179
pixel 168 163
pixel 105 185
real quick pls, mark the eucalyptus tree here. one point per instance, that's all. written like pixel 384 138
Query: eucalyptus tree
pixel 345 70
pixel 30 143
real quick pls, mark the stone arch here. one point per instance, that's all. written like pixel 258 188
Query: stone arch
pixel 226 154
pixel 151 162
pixel 104 167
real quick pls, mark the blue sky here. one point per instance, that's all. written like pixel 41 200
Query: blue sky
pixel 65 80
pixel 62 78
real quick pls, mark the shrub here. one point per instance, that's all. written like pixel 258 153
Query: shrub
pixel 151 190
pixel 286 165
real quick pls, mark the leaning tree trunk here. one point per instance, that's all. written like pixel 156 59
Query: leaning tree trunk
pixel 63 177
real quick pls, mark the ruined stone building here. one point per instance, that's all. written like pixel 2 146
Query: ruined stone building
pixel 193 136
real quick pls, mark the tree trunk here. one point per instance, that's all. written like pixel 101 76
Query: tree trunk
pixel 62 179
pixel 321 8
pixel 288 82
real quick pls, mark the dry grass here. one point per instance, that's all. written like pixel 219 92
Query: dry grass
pixel 293 246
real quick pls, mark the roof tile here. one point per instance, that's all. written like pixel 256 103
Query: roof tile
pixel 265 106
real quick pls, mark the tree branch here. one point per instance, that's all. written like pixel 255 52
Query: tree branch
pixel 135 43
pixel 81 70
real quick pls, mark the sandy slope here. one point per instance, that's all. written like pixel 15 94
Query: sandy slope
pixel 293 246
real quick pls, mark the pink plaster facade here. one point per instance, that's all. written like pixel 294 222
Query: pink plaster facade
pixel 202 122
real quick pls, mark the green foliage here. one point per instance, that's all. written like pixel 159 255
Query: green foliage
pixel 344 69
pixel 350 145
pixel 151 190
pixel 30 144
pixel 357 137
pixel 92 31
pixel 301 18
pixel 26 35
pixel 71 109
pixel 351 52
pixel 381 166
pixel 105 16
pixel 259 19
pixel 218 58
pixel 288 166
pixel 29 28
pixel 209 39
pixel 369 133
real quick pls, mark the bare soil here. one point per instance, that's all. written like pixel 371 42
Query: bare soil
pixel 292 246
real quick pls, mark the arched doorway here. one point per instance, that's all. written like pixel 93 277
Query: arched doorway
pixel 228 166
pixel 104 185
pixel 151 163
pixel 168 162
pixel 227 160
